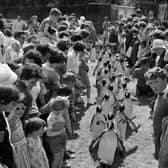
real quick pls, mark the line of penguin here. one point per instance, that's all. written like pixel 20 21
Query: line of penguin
pixel 112 124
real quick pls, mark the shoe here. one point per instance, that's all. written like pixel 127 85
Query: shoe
pixel 66 165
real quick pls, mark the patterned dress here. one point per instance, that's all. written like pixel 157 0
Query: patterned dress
pixel 37 155
pixel 19 141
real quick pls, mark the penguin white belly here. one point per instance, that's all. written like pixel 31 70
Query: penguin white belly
pixel 96 131
pixel 98 126
pixel 121 125
pixel 107 147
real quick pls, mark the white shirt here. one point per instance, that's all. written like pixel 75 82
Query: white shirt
pixel 18 27
pixel 73 62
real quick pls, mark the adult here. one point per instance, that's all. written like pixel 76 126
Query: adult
pixel 47 32
pixel 105 28
pixel 18 25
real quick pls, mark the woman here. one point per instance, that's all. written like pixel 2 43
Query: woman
pixel 47 32
pixel 8 100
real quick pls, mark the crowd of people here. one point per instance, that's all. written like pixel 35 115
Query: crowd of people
pixel 44 71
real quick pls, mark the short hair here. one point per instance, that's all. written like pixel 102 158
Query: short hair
pixel 76 37
pixel 63 34
pixel 63 45
pixel 28 47
pixel 8 94
pixel 154 73
pixel 98 109
pixel 84 33
pixel 34 55
pixel 8 32
pixel 33 124
pixel 56 56
pixel 55 12
pixel 79 46
pixel 30 71
pixel 44 49
pixel 64 91
pixel 62 28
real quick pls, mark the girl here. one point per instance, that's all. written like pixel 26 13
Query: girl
pixel 56 132
pixel 17 136
pixel 34 129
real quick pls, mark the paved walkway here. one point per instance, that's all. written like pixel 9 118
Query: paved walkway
pixel 141 158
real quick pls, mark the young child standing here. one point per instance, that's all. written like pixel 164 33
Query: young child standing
pixel 34 129
pixel 17 136
pixel 56 132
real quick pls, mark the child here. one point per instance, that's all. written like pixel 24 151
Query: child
pixel 98 123
pixel 56 132
pixel 17 136
pixel 34 129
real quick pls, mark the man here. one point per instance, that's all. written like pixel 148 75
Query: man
pixel 156 78
pixel 18 26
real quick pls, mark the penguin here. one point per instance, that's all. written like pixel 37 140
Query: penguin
pixel 128 103
pixel 108 146
pixel 98 123
pixel 107 105
pixel 121 121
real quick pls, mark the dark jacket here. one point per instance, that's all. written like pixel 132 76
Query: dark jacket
pixel 25 97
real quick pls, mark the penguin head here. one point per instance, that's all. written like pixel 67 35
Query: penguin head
pixel 127 95
pixel 110 87
pixel 111 116
pixel 104 83
pixel 121 107
pixel 106 97
pixel 98 109
pixel 110 125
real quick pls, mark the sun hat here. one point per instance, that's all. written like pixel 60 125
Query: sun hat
pixel 158 43
pixel 7 76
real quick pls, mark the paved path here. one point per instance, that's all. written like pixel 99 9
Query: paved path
pixel 141 158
